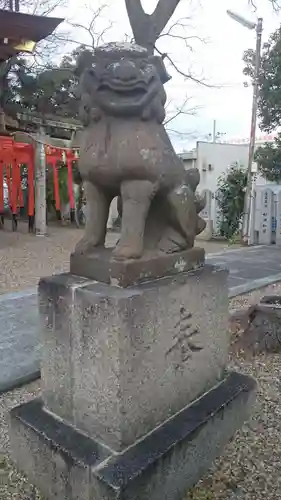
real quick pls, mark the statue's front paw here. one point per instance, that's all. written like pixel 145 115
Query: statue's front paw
pixel 85 245
pixel 127 251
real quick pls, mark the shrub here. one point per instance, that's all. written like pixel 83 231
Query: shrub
pixel 230 197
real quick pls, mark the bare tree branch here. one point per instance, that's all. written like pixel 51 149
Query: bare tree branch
pixel 180 133
pixel 187 76
pixel 175 113
pixel 96 35
pixel 275 4
pixel 87 29
pixel 181 110
pixel 75 42
pixel 181 23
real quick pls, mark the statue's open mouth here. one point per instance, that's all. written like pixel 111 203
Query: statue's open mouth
pixel 125 90
pixel 118 96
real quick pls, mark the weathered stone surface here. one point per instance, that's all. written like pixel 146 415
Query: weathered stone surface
pixel 262 332
pixel 239 320
pixel 57 315
pixel 125 151
pixel 117 362
pixel 100 266
pixel 64 463
pixel 266 213
pixel 272 300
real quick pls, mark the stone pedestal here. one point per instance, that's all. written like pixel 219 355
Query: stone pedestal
pixel 136 400
pixel 118 362
pixel 100 266
pixel 68 465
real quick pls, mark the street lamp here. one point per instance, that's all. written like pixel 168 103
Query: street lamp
pixel 248 204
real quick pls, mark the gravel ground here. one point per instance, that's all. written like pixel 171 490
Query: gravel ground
pixel 25 258
pixel 250 466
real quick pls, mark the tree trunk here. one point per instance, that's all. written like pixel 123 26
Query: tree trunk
pixel 147 28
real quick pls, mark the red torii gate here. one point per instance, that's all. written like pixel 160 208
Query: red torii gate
pixel 53 157
pixel 15 154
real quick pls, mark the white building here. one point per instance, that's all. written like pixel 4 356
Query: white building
pixel 213 159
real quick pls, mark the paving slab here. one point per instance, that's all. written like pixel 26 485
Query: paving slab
pixel 19 339
pixel 250 269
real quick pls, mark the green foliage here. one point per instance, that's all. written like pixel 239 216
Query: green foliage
pixel 230 197
pixel 50 90
pixel 269 101
pixel 63 187
pixel 268 157
pixel 47 92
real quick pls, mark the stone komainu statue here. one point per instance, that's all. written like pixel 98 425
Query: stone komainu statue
pixel 126 152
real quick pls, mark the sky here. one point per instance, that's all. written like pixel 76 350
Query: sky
pixel 217 60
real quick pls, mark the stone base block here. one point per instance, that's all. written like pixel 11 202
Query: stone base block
pixel 65 464
pixel 101 266
pixel 116 362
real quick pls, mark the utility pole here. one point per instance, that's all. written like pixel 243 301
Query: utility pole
pixel 214 131
pixel 248 203
pixel 249 200
pixel 214 136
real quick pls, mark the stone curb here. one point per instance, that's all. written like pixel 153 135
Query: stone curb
pixel 26 378
pixel 18 295
pixel 253 285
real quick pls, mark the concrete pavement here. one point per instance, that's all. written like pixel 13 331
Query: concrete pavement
pixel 249 268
